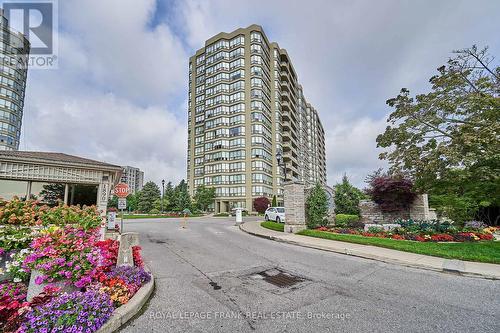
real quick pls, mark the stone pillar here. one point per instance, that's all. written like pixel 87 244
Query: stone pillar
pixel 295 206
pixel 127 240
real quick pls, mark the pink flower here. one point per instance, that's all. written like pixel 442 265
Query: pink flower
pixel 39 279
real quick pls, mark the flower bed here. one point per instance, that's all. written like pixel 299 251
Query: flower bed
pixel 424 231
pixel 64 249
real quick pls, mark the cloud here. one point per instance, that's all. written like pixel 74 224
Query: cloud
pixel 123 64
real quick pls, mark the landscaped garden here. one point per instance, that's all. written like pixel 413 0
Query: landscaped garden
pixel 468 243
pixel 56 274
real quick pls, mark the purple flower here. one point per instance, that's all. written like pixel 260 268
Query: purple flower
pixel 73 312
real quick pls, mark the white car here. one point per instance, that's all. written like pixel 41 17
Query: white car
pixel 276 214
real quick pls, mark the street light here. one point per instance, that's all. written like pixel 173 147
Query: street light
pixel 281 162
pixel 162 193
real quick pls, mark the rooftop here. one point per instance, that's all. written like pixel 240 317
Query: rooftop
pixel 55 157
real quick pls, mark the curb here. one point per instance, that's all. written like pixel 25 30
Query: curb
pixel 450 266
pixel 125 312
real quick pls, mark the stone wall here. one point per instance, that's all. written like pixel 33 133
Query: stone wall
pixel 419 210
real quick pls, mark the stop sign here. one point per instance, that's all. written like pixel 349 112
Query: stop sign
pixel 121 190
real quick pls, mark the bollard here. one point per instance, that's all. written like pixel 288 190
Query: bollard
pixel 239 216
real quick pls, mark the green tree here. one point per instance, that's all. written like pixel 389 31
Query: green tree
pixel 168 197
pixel 317 207
pixel 158 204
pixel 448 140
pixel 347 197
pixel 133 201
pixel 181 197
pixel 113 201
pixel 52 193
pixel 275 201
pixel 150 192
pixel 204 197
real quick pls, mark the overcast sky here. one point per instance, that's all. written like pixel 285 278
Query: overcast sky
pixel 120 93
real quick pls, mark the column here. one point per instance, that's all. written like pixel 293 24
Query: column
pixel 66 193
pixel 295 206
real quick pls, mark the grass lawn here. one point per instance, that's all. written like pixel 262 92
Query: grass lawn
pixel 483 251
pixel 273 226
pixel 151 216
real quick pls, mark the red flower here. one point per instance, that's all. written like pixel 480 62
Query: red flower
pixel 398 237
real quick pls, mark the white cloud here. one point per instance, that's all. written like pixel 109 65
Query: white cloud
pixel 123 64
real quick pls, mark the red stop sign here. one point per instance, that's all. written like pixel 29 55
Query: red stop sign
pixel 121 190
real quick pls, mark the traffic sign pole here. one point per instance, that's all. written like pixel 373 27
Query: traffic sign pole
pixel 121 191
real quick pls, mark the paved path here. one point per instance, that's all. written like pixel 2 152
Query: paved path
pixel 208 281
pixel 485 270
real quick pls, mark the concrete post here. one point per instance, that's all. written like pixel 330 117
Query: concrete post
pixel 28 190
pixel 66 193
pixel 295 206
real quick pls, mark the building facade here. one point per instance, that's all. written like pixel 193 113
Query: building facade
pixel 133 177
pixel 13 74
pixel 246 107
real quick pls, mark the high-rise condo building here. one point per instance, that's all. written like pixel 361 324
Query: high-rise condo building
pixel 13 73
pixel 133 177
pixel 246 109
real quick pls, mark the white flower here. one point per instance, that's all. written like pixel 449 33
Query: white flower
pixel 17 280
pixel 15 263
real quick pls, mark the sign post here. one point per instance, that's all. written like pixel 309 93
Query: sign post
pixel 121 191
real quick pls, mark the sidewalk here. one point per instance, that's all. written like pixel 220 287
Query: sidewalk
pixel 483 270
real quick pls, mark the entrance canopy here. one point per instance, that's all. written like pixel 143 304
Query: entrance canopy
pixel 53 172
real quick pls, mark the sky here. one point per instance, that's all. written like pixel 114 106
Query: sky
pixel 120 92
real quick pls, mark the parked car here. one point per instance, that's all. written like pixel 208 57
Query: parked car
pixel 276 214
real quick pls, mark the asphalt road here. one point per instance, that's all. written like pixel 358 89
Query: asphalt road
pixel 207 280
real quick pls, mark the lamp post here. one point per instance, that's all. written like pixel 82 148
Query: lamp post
pixel 281 162
pixel 162 193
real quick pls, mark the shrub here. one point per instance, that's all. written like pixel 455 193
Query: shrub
pixel 221 215
pixel 154 211
pixel 343 220
pixel 73 312
pixel 356 225
pixel 317 207
pixel 391 192
pixel 261 204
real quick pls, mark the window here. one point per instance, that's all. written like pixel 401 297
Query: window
pixel 240 40
pixel 237 63
pixel 237 52
pixel 236 131
pixel 237 143
pixel 255 36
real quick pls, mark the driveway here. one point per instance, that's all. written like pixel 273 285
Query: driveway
pixel 212 277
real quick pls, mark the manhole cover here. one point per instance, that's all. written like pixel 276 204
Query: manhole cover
pixel 280 278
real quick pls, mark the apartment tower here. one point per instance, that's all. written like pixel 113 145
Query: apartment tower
pixel 246 109
pixel 14 53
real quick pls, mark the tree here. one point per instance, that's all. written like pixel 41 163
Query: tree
pixel 133 201
pixel 275 201
pixel 392 192
pixel 204 197
pixel 52 193
pixel 347 197
pixel 181 197
pixel 317 207
pixel 260 204
pixel 168 197
pixel 150 192
pixel 454 130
